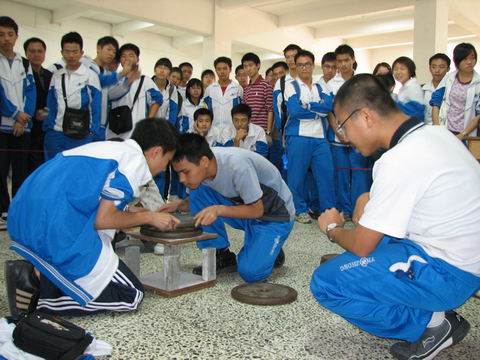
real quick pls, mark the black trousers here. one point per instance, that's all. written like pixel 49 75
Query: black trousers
pixel 123 293
pixel 13 152
pixel 37 155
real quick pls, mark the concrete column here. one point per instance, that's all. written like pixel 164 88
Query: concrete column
pixel 430 33
pixel 220 43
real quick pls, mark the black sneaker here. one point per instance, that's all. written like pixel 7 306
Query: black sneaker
pixel 314 214
pixel 280 260
pixel 226 262
pixel 22 286
pixel 451 331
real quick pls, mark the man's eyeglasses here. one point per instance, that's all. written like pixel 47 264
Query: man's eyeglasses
pixel 307 65
pixel 339 129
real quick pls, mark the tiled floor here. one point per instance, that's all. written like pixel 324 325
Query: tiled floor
pixel 209 324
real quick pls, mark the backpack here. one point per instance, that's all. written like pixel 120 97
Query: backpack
pixel 50 337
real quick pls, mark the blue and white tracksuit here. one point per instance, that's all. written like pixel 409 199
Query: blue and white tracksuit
pixel 19 92
pixel 169 109
pixel 185 118
pixel 52 218
pixel 353 171
pixel 113 87
pixel 410 99
pixel 307 145
pixel 149 95
pixel 221 104
pixel 255 140
pixel 441 99
pixel 83 91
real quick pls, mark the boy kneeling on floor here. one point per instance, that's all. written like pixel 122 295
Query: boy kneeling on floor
pixel 64 218
pixel 240 188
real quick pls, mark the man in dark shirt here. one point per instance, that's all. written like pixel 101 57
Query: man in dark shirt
pixel 35 50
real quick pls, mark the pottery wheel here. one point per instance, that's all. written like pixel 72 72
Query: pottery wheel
pixel 264 294
pixel 186 229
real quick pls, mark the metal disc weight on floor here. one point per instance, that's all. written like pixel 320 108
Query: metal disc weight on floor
pixel 264 294
pixel 176 234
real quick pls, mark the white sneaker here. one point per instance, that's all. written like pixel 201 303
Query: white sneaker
pixel 3 224
pixel 303 218
pixel 158 249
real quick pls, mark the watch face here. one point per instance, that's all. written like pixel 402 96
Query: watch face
pixel 331 226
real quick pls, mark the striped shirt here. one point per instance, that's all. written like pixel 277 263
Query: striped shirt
pixel 258 96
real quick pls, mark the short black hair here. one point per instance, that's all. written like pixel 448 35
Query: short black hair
pixel 192 147
pixel 202 111
pixel 329 57
pixel 382 64
pixel 365 90
pixel 250 56
pixel 344 49
pixel 387 80
pixel 462 51
pixel 108 40
pixel 207 72
pixel 8 22
pixel 280 64
pixel 223 59
pixel 163 62
pixel 242 109
pixel 193 82
pixel 187 64
pixel 440 56
pixel 176 70
pixel 33 40
pixel 270 69
pixel 238 68
pixel 305 53
pixel 155 132
pixel 408 63
pixel 129 46
pixel 72 37
pixel 291 47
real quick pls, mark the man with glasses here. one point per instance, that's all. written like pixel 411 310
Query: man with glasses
pixel 329 69
pixel 414 255
pixel 305 132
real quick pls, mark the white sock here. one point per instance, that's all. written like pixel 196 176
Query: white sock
pixel 436 320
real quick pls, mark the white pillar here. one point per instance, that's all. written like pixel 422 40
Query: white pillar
pixel 430 33
pixel 220 43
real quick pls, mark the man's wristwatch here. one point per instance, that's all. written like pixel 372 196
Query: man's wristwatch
pixel 268 133
pixel 330 227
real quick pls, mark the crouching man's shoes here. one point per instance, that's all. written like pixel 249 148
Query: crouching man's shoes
pixel 22 286
pixel 280 260
pixel 226 262
pixel 451 331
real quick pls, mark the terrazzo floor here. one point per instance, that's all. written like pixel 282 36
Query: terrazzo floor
pixel 209 324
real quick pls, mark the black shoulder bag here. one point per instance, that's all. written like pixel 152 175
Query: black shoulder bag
pixel 50 337
pixel 76 122
pixel 120 118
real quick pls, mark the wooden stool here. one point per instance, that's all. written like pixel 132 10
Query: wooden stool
pixel 473 144
pixel 172 281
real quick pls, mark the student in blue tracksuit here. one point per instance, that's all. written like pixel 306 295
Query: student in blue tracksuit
pixel 410 96
pixel 169 109
pixel 240 188
pixel 202 125
pixel 193 102
pixel 306 137
pixel 246 135
pixel 65 216
pixel 414 255
pixel 74 87
pixel 353 171
pixel 17 107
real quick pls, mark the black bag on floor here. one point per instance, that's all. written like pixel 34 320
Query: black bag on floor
pixel 76 122
pixel 120 118
pixel 50 337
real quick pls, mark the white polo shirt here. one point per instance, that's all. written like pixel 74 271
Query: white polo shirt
pixel 427 189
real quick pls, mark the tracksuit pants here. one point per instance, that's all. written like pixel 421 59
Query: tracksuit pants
pixel 262 242
pixel 56 142
pixel 393 292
